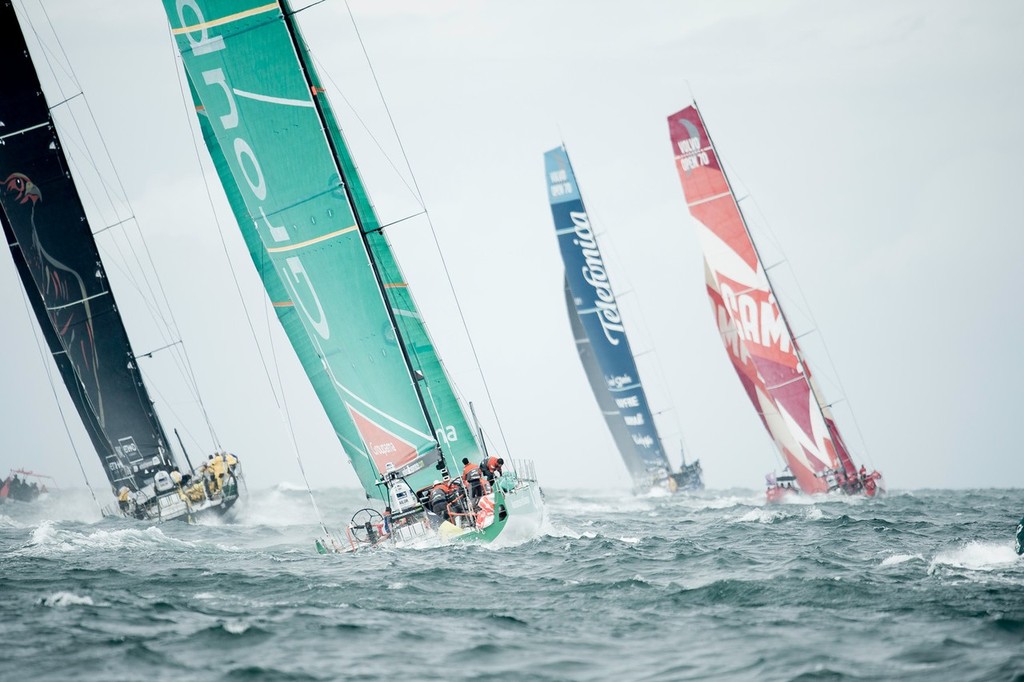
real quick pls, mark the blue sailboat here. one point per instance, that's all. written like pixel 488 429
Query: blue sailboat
pixel 602 343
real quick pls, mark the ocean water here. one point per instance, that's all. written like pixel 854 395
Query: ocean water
pixel 919 585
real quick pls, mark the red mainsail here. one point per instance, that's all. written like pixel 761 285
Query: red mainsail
pixel 753 327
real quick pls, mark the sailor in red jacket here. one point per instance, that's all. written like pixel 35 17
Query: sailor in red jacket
pixel 491 468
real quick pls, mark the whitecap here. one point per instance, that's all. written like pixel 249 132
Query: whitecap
pixel 976 556
pixel 760 516
pixel 62 599
pixel 897 559
pixel 235 627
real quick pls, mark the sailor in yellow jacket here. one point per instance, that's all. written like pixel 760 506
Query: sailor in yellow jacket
pixel 217 470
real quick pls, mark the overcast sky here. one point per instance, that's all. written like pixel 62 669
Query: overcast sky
pixel 880 141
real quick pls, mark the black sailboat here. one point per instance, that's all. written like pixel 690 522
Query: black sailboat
pixel 59 265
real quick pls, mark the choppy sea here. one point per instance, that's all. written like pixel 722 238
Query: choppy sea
pixel 920 585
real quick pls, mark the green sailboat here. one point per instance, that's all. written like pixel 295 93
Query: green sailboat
pixel 329 270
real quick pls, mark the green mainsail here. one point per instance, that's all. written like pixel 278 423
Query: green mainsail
pixel 338 292
pixel 446 412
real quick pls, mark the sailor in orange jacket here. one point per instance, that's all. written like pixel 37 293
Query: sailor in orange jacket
pixel 473 478
pixel 491 467
pixel 438 499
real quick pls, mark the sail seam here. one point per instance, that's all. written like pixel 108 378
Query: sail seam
pixel 274 100
pixel 315 240
pixel 704 201
pixel 245 14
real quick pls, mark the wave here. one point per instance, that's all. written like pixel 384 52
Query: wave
pixel 897 559
pixel 48 539
pixel 62 599
pixel 976 556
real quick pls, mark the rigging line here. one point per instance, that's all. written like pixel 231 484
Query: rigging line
pixel 56 399
pixel 173 329
pixel 65 100
pixel 155 350
pixel 334 88
pixel 118 265
pixel 810 314
pixel 170 408
pixel 433 232
pixel 216 217
pixel 395 222
pixel 663 383
pixel 286 416
pixel 108 227
pixel 312 4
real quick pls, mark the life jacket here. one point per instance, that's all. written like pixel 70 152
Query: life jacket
pixel 438 494
pixel 471 472
pixel 490 465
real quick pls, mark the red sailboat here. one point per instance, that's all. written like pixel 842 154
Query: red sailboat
pixel 757 335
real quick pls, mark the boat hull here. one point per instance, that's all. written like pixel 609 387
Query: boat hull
pixel 518 514
pixel 174 506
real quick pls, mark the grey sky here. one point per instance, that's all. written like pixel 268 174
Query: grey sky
pixel 881 140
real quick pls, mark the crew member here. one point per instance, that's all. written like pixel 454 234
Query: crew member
pixel 122 499
pixel 473 477
pixel 438 500
pixel 492 468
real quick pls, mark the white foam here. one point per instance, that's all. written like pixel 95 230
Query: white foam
pixel 630 541
pixel 62 599
pixel 47 538
pixel 897 559
pixel 815 514
pixel 235 627
pixel 760 516
pixel 976 556
pixel 397 586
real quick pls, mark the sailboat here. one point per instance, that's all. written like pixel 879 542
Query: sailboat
pixel 757 335
pixel 59 265
pixel 18 486
pixel 333 278
pixel 601 340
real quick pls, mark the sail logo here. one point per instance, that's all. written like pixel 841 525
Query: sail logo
pixel 691 154
pixel 627 402
pixel 634 419
pixel 757 318
pixel 643 441
pixel 127 450
pixel 619 382
pixel 559 183
pixel 595 275
pixel 249 173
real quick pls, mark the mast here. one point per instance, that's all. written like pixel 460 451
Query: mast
pixel 415 375
pixel 843 456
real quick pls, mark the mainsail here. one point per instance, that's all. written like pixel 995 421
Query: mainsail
pixel 59 265
pixel 757 336
pixel 317 242
pixel 600 335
